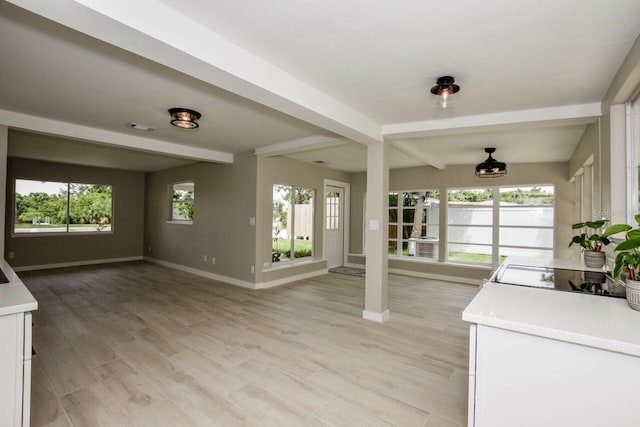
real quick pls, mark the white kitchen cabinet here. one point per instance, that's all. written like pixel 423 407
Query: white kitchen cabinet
pixel 529 381
pixel 540 357
pixel 15 351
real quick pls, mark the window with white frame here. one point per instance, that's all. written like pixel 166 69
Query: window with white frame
pixel 292 225
pixel 470 225
pixel 182 201
pixel 485 225
pixel 633 111
pixel 526 221
pixel 61 207
pixel 332 206
pixel 414 218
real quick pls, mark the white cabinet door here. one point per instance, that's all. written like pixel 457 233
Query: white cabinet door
pixel 528 381
pixel 11 364
pixel 26 373
pixel 472 376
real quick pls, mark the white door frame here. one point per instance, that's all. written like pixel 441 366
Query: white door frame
pixel 345 219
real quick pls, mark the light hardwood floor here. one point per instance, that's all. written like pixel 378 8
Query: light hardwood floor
pixel 139 344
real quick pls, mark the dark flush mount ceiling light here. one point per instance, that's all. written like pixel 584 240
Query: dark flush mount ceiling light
pixel 490 168
pixel 184 118
pixel 444 88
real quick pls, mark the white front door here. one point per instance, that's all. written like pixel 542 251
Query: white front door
pixel 334 225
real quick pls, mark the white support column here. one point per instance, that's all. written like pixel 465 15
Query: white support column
pixel 376 306
pixel 4 144
pixel 621 167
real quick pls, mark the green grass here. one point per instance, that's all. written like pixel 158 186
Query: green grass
pixel 457 257
pixel 283 245
pixel 472 258
pixel 27 225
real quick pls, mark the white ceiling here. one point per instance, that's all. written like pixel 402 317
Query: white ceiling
pixel 382 57
pixel 264 73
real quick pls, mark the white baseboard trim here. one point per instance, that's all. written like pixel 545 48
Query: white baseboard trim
pixel 353 265
pixel 285 280
pixel 376 317
pixel 76 263
pixel 443 277
pixel 202 273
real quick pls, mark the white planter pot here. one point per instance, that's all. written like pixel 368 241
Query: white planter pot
pixel 633 294
pixel 594 259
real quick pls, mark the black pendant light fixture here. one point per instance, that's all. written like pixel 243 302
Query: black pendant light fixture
pixel 444 88
pixel 184 118
pixel 491 168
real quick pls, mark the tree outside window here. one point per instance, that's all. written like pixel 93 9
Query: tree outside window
pixel 182 201
pixel 60 207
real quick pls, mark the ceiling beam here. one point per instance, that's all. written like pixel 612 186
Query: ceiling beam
pixel 157 32
pixel 106 137
pixel 569 114
pixel 309 143
pixel 415 154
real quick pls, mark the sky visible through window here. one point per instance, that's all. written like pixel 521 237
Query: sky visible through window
pixel 26 187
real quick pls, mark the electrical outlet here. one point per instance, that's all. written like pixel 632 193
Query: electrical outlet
pixel 213 260
pixel 11 255
pixel 252 220
pixel 265 264
pixel 149 248
pixel 253 269
pixel 204 258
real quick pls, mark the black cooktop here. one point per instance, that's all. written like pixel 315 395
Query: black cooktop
pixel 3 278
pixel 559 279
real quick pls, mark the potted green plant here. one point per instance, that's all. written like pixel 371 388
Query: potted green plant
pixel 628 261
pixel 592 240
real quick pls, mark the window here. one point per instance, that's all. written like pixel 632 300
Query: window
pixel 413 223
pixel 292 229
pixel 634 141
pixel 502 221
pixel 333 210
pixel 182 201
pixel 470 225
pixel 526 221
pixel 61 207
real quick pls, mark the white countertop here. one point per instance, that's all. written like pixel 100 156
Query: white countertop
pixel 14 296
pixel 595 321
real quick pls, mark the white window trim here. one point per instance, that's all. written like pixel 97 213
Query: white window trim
pixel 633 157
pixel 180 221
